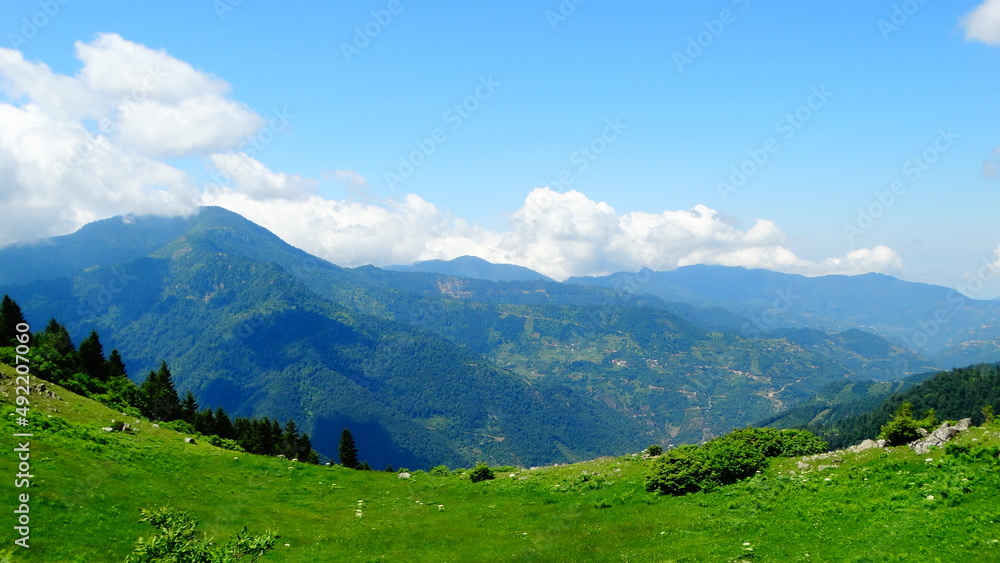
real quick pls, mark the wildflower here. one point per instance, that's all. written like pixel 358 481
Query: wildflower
pixel 440 507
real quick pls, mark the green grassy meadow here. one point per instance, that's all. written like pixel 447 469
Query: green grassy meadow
pixel 875 506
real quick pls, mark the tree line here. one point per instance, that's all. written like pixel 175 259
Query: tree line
pixel 85 370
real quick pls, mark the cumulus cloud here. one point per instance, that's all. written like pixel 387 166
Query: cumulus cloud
pixel 75 148
pixel 983 23
pixel 253 179
pixel 58 171
pixel 558 234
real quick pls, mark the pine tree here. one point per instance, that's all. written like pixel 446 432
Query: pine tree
pixel 189 409
pixel 92 360
pixel 306 451
pixel 58 358
pixel 348 453
pixel 10 317
pixel 160 396
pixel 290 440
pixel 223 425
pixel 115 367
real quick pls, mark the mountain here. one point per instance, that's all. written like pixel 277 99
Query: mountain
pixel 426 368
pixel 936 321
pixel 474 267
pixel 101 243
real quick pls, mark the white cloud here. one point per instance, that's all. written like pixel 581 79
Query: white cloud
pixel 558 234
pixel 83 147
pixel 58 171
pixel 983 23
pixel 255 180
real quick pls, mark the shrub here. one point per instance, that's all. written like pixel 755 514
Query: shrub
pixel 225 443
pixel 902 429
pixel 180 426
pixel 179 540
pixel 481 472
pixel 441 471
pixel 727 459
pixel 679 471
pixel 654 450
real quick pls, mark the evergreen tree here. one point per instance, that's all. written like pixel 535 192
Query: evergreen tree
pixel 348 453
pixel 204 422
pixel 160 396
pixel 92 360
pixel 306 451
pixel 189 409
pixel 57 357
pixel 290 440
pixel 115 366
pixel 223 425
pixel 10 317
pixel 57 337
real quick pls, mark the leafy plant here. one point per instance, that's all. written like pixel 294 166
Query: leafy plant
pixel 481 472
pixel 179 541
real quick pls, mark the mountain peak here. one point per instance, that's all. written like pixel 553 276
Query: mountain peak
pixel 474 267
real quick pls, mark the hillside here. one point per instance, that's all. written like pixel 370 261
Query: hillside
pixel 473 267
pixel 936 321
pixel 855 411
pixel 429 368
pixel 877 505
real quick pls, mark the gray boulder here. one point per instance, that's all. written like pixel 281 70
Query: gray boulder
pixel 938 438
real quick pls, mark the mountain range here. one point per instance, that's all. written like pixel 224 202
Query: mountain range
pixel 454 362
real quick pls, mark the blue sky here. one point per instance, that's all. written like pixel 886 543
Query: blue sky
pixel 691 91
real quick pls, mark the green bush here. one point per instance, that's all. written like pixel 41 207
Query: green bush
pixel 679 471
pixel 440 471
pixel 481 472
pixel 180 426
pixel 179 540
pixel 903 428
pixel 225 443
pixel 654 450
pixel 727 459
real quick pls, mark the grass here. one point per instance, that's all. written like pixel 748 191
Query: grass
pixel 874 506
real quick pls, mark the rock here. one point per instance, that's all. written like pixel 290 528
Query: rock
pixel 803 465
pixel 863 446
pixel 155 425
pixel 923 431
pixel 964 424
pixel 403 475
pixel 108 429
pixel 935 439
pixel 189 441
pixel 881 443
